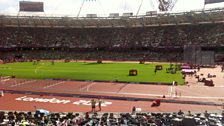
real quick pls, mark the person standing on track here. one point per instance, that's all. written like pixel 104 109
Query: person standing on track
pixel 100 104
pixel 93 104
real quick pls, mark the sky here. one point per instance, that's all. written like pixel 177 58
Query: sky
pixel 101 7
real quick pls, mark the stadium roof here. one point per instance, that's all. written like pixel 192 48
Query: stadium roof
pixel 103 7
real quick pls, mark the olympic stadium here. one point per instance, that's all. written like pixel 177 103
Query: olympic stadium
pixel 126 63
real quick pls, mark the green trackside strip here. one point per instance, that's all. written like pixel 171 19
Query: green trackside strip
pixel 90 71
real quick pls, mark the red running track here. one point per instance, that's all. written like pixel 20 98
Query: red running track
pixel 107 89
pixel 24 102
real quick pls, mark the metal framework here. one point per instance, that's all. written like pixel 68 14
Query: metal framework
pixel 167 5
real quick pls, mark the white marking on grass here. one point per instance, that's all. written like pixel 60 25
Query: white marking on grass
pixel 51 85
pixel 37 68
pixel 43 64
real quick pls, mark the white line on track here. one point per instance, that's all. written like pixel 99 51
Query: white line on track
pixel 207 87
pixel 26 82
pixel 83 87
pixel 155 95
pixel 122 93
pixel 121 88
pixel 86 88
pixel 51 85
pixel 202 97
pixel 168 92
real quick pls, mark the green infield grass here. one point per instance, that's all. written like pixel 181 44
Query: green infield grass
pixel 90 71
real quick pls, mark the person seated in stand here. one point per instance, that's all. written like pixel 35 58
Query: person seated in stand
pixel 209 75
pixel 189 113
pixel 133 110
pixel 180 112
pixel 206 114
pixel 198 68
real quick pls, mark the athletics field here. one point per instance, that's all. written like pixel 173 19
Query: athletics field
pixel 91 71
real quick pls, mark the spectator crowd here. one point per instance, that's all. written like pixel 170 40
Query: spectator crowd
pixel 163 36
pixel 149 43
pixel 111 119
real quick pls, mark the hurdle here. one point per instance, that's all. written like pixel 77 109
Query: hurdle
pixel 1 93
pixel 4 78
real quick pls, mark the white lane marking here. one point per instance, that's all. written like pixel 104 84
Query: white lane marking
pixel 156 95
pixel 122 87
pixel 51 85
pixel 26 82
pixel 86 88
pixel 168 91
